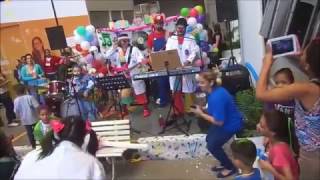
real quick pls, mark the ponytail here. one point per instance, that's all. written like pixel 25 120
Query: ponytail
pixel 48 144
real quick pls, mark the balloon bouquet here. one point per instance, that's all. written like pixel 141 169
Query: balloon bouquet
pixel 195 19
pixel 86 45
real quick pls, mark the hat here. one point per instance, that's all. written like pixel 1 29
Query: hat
pixel 123 37
pixel 158 19
pixel 182 21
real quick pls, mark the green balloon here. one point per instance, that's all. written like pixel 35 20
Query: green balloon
pixel 199 8
pixel 184 12
pixel 81 30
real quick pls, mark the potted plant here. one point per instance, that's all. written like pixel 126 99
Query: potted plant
pixel 251 109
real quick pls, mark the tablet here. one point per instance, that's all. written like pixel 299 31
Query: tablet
pixel 284 46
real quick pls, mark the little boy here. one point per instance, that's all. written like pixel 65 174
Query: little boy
pixel 244 154
pixel 25 107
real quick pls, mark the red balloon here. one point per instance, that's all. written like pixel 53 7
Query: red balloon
pixel 78 48
pixel 193 12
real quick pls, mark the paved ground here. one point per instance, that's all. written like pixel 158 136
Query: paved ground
pixel 196 169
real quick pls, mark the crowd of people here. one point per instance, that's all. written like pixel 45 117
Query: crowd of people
pixel 290 122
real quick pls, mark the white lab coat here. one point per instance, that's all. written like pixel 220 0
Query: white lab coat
pixel 139 86
pixel 67 161
pixel 187 52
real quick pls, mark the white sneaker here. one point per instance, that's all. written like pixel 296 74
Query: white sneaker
pixel 13 124
pixel 158 101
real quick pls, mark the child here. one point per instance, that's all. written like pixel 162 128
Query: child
pixel 25 107
pixel 43 125
pixel 244 155
pixel 282 165
pixel 284 77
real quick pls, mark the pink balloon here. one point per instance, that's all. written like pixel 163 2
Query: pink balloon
pixel 198 63
pixel 193 12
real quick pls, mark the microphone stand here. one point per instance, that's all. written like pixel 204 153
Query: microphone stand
pixel 75 96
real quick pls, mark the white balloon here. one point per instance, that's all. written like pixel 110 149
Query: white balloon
pixel 75 33
pixel 192 21
pixel 93 49
pixel 78 39
pixel 85 45
pixel 91 29
pixel 199 26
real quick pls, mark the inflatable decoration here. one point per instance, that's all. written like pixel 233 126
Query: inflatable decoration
pixel 184 12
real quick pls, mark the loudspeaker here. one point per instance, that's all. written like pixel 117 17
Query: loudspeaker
pixel 235 78
pixel 56 37
pixel 227 10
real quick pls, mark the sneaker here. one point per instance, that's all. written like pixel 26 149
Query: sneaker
pixel 13 124
pixel 158 101
pixel 146 113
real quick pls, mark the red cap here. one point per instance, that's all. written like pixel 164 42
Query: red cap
pixel 158 19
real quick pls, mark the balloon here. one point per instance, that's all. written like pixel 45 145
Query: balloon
pixel 85 45
pixel 204 46
pixel 201 19
pixel 198 63
pixel 192 21
pixel 193 13
pixel 78 48
pixel 184 12
pixel 197 37
pixel 199 27
pixel 93 49
pixel 189 29
pixel 89 58
pixel 91 29
pixel 88 37
pixel 199 9
pixel 94 42
pixel 81 30
pixel 78 39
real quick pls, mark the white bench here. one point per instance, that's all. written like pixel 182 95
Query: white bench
pixel 114 139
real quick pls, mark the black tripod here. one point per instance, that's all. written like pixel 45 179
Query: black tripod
pixel 114 84
pixel 174 119
pixel 232 58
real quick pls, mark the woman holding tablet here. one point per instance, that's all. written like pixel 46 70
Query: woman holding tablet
pixel 307 106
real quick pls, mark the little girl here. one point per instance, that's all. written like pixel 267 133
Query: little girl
pixel 282 163
pixel 283 77
pixel 43 125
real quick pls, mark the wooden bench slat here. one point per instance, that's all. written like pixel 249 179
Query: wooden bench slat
pixel 111 128
pixel 113 133
pixel 112 122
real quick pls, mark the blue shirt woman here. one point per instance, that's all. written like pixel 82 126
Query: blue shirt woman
pixel 225 119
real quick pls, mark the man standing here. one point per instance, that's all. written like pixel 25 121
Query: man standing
pixel 157 42
pixel 6 100
pixel 187 49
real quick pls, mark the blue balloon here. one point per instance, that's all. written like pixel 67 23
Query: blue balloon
pixel 88 37
pixel 189 29
pixel 204 46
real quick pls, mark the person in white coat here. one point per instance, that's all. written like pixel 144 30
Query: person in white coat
pixel 61 156
pixel 129 59
pixel 187 49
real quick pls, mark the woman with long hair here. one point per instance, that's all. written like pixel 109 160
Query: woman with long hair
pixel 61 156
pixel 224 117
pixel 38 50
pixel 307 105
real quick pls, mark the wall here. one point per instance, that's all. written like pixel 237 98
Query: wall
pixel 252 44
pixel 22 20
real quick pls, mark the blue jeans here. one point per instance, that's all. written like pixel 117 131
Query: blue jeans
pixel 163 90
pixel 216 138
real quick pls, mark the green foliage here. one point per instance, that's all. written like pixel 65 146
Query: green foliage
pixel 251 109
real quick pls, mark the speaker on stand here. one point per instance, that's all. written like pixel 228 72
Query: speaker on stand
pixel 56 37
